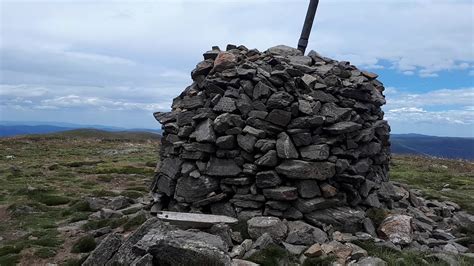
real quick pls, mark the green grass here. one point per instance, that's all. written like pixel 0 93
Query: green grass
pixel 40 197
pixel 406 258
pixel 432 175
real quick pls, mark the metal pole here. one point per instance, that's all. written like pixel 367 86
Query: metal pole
pixel 308 23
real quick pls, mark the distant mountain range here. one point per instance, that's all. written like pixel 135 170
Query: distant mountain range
pixel 12 128
pixel 416 144
pixel 443 147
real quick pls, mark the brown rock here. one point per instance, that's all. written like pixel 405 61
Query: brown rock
pixel 397 228
pixel 224 60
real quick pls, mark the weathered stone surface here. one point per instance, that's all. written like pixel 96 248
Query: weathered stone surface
pixel 334 113
pixel 269 159
pixel 226 142
pixel 193 189
pixel 308 188
pixel 285 147
pixel 225 104
pixel 279 117
pixel 267 179
pixel 397 228
pixel 224 60
pixel 106 249
pixel 309 205
pixel 222 168
pixel 301 233
pixel 181 247
pixel 279 100
pixel 204 132
pixel 343 127
pixel 284 50
pixel 342 218
pixel 369 261
pixel 246 142
pixel 261 90
pixel 315 152
pixel 194 220
pixel 265 145
pixel 281 193
pixel 297 169
pixel 276 228
pixel 313 251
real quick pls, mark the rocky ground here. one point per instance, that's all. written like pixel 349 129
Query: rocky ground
pixel 63 197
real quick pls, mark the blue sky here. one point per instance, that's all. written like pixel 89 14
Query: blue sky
pixel 116 62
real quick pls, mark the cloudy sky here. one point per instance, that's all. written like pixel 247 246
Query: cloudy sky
pixel 116 62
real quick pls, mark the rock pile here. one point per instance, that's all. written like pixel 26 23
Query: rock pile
pixel 274 133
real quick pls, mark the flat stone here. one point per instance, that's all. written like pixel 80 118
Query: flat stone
pixel 267 179
pixel 301 233
pixel 279 117
pixel 239 262
pixel 171 166
pixel 369 261
pixel 315 152
pixel 224 60
pixel 308 188
pixel 297 169
pixel 223 168
pixel 281 193
pixel 225 104
pixel 284 50
pixel 342 128
pixel 246 142
pixel 276 228
pixel 302 139
pixel 226 142
pixel 327 190
pixel 204 132
pixel 295 250
pixel 265 145
pixel 285 147
pixel 279 100
pixel 261 90
pixel 345 219
pixel 397 228
pixel 181 247
pixel 334 112
pixel 309 122
pixel 194 220
pixel 309 205
pixel 254 132
pixel 194 189
pixel 269 159
pixel 314 251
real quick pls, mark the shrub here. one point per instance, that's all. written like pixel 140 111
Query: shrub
pixel 84 244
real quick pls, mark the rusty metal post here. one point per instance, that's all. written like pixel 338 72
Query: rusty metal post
pixel 308 23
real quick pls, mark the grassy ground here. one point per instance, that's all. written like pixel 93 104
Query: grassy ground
pixel 438 179
pixel 43 179
pixel 43 182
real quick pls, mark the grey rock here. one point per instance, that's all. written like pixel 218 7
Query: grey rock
pixel 285 147
pixel 369 261
pixel 146 260
pixel 171 167
pixel 258 226
pixel 225 104
pixel 302 139
pixel 279 117
pixel 267 179
pixel 341 218
pixel 181 247
pixel 254 132
pixel 204 132
pixel 279 100
pixel 301 233
pixel 268 159
pixel 246 142
pixel 334 112
pixel 284 50
pixel 297 169
pixel 315 152
pixel 308 188
pixel 309 205
pixel 261 90
pixel 309 122
pixel 281 193
pixel 223 168
pixel 265 145
pixel 295 250
pixel 397 228
pixel 342 128
pixel 193 189
pixel 104 251
pixel 226 142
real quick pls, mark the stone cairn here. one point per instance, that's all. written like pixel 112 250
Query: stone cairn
pixel 273 133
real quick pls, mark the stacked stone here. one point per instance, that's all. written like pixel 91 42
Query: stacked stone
pixel 274 133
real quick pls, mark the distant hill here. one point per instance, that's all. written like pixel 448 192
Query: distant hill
pixel 8 129
pixel 84 133
pixel 443 147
